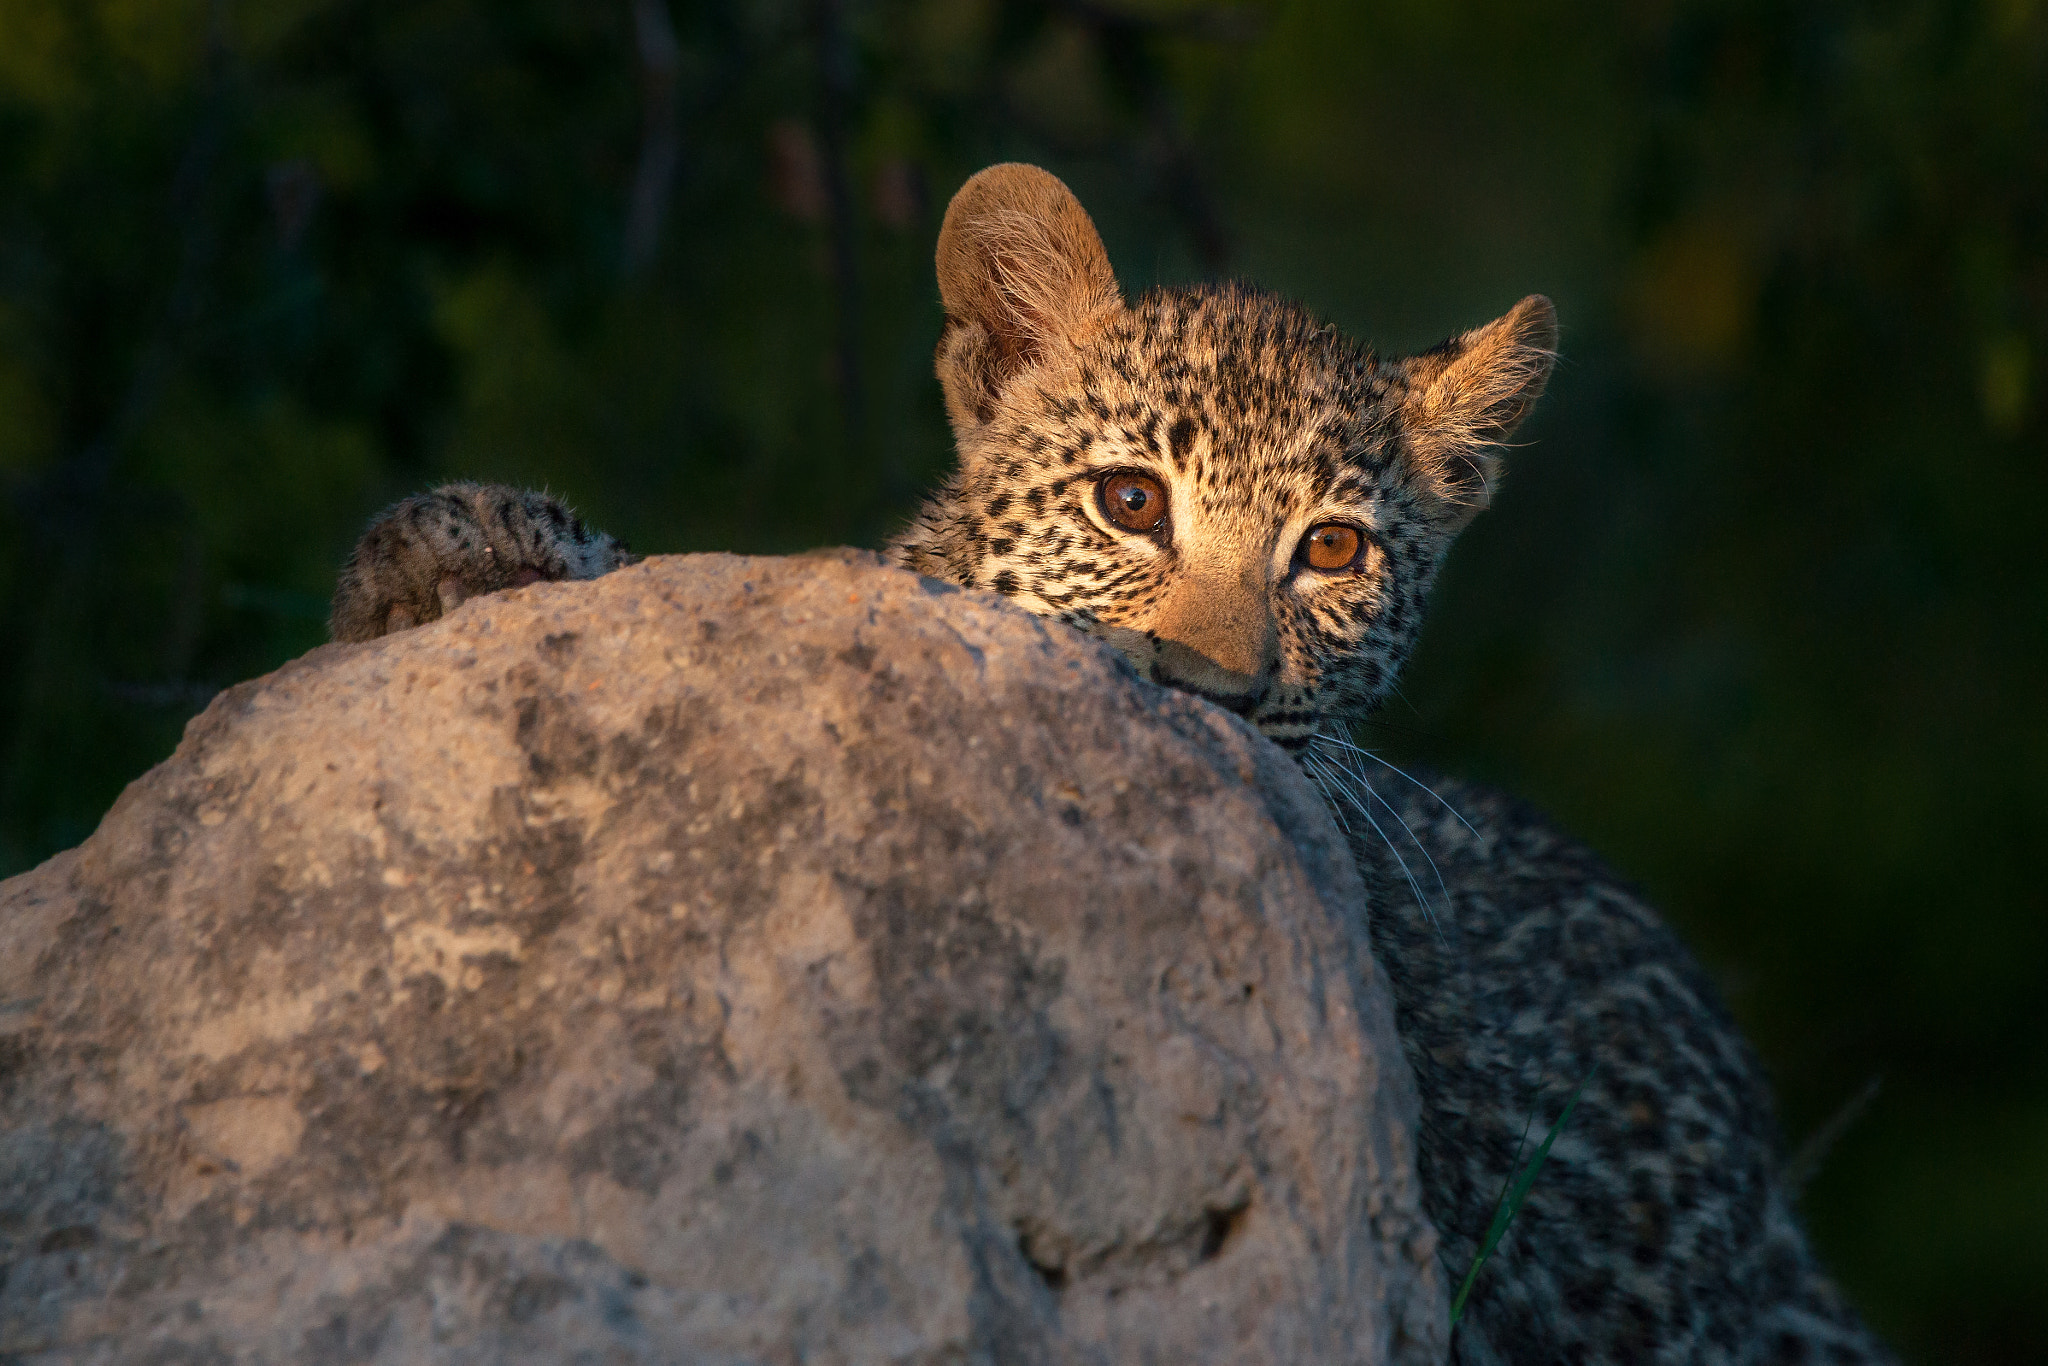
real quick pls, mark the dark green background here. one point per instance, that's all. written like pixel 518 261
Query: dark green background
pixel 1760 613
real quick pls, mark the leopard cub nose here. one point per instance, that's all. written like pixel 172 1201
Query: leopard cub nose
pixel 1243 704
pixel 1180 666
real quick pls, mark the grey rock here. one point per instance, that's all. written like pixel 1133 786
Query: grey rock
pixel 727 960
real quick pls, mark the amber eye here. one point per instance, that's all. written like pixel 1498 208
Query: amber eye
pixel 1332 546
pixel 1135 502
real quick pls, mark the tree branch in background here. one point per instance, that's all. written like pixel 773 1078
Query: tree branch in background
pixel 1803 1164
pixel 835 92
pixel 1220 24
pixel 1125 41
pixel 1160 153
pixel 654 39
pixel 71 502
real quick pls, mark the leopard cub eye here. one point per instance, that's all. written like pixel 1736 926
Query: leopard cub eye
pixel 1135 502
pixel 1332 546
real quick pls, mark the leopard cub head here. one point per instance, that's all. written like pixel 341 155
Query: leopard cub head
pixel 1246 504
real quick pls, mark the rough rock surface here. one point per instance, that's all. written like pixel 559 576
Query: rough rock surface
pixel 729 960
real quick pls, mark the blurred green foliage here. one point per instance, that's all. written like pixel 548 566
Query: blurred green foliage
pixel 1759 614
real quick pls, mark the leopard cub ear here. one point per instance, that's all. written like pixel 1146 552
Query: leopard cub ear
pixel 1023 276
pixel 1465 398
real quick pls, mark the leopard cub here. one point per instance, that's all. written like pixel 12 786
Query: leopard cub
pixel 1252 508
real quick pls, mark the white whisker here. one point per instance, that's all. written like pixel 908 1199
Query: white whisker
pixel 1373 792
pixel 1319 775
pixel 1344 793
pixel 1419 845
pixel 1354 747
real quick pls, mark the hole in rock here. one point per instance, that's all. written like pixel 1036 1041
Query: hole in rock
pixel 68 1239
pixel 1053 1274
pixel 1221 1223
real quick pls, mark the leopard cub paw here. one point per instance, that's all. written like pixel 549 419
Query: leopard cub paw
pixel 426 555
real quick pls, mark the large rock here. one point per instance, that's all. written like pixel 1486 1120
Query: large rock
pixel 730 960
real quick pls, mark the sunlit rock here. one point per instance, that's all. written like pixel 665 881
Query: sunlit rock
pixel 729 960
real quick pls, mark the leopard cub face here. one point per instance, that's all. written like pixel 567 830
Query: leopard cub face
pixel 1243 502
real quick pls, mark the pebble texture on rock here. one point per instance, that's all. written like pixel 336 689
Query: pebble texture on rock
pixel 728 960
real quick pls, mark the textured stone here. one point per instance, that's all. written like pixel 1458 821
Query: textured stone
pixel 727 960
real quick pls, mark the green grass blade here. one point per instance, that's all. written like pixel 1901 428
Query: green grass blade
pixel 1496 1226
pixel 1510 1204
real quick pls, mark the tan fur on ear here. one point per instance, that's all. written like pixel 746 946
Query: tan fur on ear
pixel 1466 397
pixel 1022 271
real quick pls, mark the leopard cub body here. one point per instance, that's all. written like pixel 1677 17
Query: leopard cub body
pixel 1252 508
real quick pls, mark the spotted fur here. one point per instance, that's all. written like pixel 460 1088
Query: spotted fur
pixel 1261 423
pixel 1660 1229
pixel 427 554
